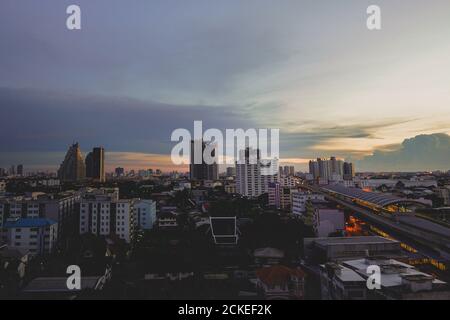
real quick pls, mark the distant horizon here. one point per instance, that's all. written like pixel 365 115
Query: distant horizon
pixel 144 161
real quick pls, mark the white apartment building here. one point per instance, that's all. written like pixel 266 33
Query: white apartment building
pixel 252 178
pixel 37 236
pixel 103 216
pixel 144 213
pixel 299 199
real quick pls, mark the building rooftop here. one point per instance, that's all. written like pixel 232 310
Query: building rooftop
pixel 29 223
pixel 343 273
pixel 376 198
pixel 392 271
pixel 276 275
pixel 350 240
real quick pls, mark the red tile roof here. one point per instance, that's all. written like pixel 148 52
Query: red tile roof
pixel 278 274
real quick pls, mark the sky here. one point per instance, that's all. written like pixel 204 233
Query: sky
pixel 137 71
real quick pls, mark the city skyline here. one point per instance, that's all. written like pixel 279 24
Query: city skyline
pixel 334 88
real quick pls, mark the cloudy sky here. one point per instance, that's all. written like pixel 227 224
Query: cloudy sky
pixel 137 71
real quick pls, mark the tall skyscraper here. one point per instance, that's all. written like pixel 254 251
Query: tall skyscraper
pixel 202 171
pixel 73 167
pixel 331 169
pixel 95 164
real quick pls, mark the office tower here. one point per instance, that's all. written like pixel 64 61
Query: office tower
pixel 20 170
pixel 2 172
pixel 95 164
pixel 73 167
pixel 252 178
pixel 119 171
pixel 202 170
pixel 12 170
pixel 349 171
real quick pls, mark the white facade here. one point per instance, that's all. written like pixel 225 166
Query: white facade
pixel 34 235
pixel 144 213
pixel 299 200
pixel 252 179
pixel 102 217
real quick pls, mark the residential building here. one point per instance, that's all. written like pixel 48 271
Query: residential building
pixel 299 199
pixel 253 174
pixel 167 220
pixel 37 236
pixel 279 196
pixel 101 215
pixel 331 169
pixel 279 282
pixel 60 207
pixel 144 213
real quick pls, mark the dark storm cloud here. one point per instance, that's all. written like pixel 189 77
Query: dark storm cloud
pixel 48 121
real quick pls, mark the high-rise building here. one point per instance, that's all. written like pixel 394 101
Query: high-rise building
pixel 348 171
pixel 20 170
pixel 119 171
pixel 332 169
pixel 251 181
pixel 202 171
pixel 95 164
pixel 73 167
